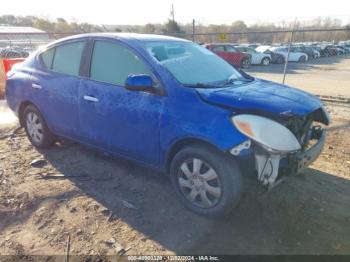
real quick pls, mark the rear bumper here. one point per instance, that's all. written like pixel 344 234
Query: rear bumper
pixel 301 160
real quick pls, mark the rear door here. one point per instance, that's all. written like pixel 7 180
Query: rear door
pixel 220 51
pixel 56 87
pixel 112 117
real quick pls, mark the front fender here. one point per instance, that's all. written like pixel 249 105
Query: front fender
pixel 189 117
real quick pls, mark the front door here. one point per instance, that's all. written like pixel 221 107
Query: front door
pixel 233 55
pixel 112 117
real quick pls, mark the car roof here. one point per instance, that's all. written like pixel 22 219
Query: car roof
pixel 263 47
pixel 123 37
pixel 220 44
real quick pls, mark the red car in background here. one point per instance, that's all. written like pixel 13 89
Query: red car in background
pixel 230 54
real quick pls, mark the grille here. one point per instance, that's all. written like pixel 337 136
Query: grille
pixel 300 127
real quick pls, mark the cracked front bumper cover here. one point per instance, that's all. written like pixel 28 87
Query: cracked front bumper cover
pixel 271 168
pixel 301 160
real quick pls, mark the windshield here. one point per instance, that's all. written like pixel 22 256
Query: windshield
pixel 192 64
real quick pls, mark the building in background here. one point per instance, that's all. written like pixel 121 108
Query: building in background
pixel 26 37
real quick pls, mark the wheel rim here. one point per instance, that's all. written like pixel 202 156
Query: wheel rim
pixel 266 61
pixel 34 127
pixel 199 183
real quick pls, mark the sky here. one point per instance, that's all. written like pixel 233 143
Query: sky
pixel 128 12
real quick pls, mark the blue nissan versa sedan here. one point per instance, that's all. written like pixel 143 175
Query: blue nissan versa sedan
pixel 169 104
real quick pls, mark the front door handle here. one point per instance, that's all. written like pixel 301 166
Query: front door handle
pixel 91 99
pixel 36 86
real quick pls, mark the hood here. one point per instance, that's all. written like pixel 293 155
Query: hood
pixel 262 96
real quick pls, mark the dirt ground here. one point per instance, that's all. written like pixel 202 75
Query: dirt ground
pixel 2 80
pixel 111 206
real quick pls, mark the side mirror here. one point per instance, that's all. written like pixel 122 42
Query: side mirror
pixel 139 83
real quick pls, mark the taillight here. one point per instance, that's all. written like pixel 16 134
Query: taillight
pixel 10 74
pixel 8 63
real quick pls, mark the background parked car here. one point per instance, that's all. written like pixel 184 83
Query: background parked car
pixel 275 57
pixel 293 56
pixel 324 51
pixel 13 52
pixel 331 50
pixel 307 50
pixel 230 54
pixel 346 47
pixel 257 58
pixel 341 50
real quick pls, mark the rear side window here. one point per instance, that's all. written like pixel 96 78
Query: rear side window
pixel 67 58
pixel 231 49
pixel 47 57
pixel 112 63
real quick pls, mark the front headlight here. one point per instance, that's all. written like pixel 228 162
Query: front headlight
pixel 268 133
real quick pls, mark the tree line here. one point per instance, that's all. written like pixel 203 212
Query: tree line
pixel 250 33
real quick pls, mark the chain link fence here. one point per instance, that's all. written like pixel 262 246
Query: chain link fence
pixel 316 60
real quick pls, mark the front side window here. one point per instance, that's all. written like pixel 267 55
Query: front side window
pixel 251 50
pixel 191 63
pixel 231 49
pixel 113 63
pixel 67 58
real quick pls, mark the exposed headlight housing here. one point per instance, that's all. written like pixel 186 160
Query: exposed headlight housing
pixel 266 132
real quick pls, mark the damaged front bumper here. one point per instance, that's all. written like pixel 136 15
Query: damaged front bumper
pixel 300 160
pixel 271 166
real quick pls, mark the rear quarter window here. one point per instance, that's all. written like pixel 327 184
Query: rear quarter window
pixel 47 57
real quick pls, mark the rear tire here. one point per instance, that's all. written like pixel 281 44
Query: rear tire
pixel 280 60
pixel 36 129
pixel 206 180
pixel 302 59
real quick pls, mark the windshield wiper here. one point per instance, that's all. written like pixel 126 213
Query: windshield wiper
pixel 201 85
pixel 240 80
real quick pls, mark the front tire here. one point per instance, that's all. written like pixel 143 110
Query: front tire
pixel 36 129
pixel 246 62
pixel 266 61
pixel 206 180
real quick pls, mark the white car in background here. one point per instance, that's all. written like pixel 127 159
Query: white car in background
pixel 293 56
pixel 257 58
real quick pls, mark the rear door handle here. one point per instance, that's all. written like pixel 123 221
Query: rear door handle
pixel 36 86
pixel 91 99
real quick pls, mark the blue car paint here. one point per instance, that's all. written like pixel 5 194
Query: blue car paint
pixel 265 96
pixel 143 126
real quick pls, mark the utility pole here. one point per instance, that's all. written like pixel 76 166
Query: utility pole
pixel 288 52
pixel 193 30
pixel 172 12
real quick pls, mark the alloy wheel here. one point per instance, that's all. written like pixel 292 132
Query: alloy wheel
pixel 34 127
pixel 266 61
pixel 199 183
pixel 245 63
